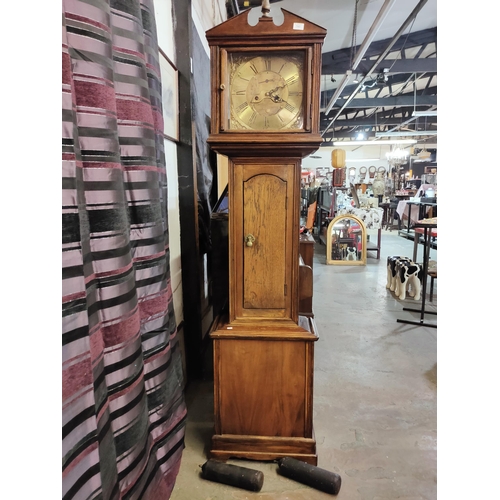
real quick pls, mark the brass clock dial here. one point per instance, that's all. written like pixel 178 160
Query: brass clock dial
pixel 266 91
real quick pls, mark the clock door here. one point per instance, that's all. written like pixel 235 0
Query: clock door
pixel 263 247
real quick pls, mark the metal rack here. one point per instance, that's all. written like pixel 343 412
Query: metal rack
pixel 427 239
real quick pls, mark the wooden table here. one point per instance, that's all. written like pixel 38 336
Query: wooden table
pixel 416 210
pixel 385 217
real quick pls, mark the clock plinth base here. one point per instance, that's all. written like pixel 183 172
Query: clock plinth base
pixel 263 390
pixel 263 448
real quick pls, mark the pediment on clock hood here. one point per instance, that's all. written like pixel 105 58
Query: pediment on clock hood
pixel 237 28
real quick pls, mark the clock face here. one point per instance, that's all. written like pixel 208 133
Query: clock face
pixel 266 91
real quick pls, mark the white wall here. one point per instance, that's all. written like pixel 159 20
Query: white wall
pixel 355 157
pixel 174 229
pixel 165 28
pixel 205 16
pixel 166 42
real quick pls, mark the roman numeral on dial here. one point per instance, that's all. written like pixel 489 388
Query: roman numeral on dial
pixel 242 107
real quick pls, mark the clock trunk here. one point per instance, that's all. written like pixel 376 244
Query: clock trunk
pixel 263 229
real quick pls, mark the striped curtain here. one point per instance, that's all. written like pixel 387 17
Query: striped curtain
pixel 123 411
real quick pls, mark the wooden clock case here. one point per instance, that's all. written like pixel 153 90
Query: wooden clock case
pixel 263 348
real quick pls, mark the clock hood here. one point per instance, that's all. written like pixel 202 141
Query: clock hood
pixel 237 30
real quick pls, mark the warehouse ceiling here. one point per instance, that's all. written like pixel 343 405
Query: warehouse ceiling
pixel 390 48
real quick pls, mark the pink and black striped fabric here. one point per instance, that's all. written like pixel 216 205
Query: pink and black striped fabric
pixel 123 410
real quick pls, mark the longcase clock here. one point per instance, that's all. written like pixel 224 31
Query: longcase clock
pixel 265 82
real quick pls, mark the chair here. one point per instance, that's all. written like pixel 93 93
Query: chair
pixel 433 273
pixel 311 215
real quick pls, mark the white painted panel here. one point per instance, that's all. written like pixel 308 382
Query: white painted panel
pixel 170 98
pixel 222 173
pixel 174 228
pixel 165 27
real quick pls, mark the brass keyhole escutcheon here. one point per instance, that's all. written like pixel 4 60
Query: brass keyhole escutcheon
pixel 249 240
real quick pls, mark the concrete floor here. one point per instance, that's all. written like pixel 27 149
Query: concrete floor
pixel 375 394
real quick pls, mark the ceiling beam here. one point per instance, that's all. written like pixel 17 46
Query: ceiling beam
pixel 393 81
pixel 346 131
pixel 383 55
pixel 378 102
pixel 360 53
pixel 371 121
pixel 342 56
pixel 346 134
pixel 422 65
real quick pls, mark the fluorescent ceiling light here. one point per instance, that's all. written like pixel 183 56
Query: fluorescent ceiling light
pixel 424 113
pixel 374 143
pixel 405 134
pixel 363 159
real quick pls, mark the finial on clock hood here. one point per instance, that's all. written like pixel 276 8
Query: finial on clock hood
pixel 266 8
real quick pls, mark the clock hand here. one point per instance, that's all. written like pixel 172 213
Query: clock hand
pixel 271 92
pixel 285 104
pixel 271 95
pixel 281 87
pixel 268 95
pixel 277 97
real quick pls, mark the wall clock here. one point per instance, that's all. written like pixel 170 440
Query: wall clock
pixel 265 82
